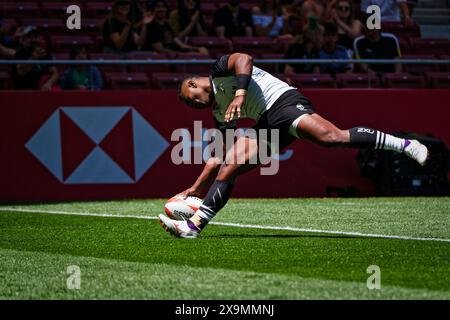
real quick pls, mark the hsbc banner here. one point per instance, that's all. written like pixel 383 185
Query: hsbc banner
pixel 118 144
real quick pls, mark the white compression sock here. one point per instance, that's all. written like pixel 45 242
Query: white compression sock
pixel 388 142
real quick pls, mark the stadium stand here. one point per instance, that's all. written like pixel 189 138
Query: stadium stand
pixel 253 45
pixel 314 81
pixel 192 68
pixel 21 10
pixel 64 43
pixel 215 45
pixel 111 68
pixel 166 80
pixel 49 17
pixel 126 81
pixel 148 68
pixel 403 80
pixel 439 80
pixel 430 46
pixel 357 80
pixel 419 69
pixel 4 80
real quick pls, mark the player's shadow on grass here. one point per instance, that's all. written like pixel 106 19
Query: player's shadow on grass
pixel 226 235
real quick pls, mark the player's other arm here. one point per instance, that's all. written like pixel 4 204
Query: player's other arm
pixel 205 179
pixel 212 166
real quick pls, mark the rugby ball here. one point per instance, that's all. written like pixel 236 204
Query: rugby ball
pixel 180 208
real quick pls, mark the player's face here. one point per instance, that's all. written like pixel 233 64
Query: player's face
pixel 196 96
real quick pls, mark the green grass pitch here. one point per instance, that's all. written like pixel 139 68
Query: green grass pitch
pixel 123 257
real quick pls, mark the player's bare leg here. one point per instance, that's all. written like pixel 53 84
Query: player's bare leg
pixel 323 132
pixel 237 162
pixel 239 159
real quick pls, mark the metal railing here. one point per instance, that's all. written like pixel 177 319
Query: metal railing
pixel 210 61
pixel 277 62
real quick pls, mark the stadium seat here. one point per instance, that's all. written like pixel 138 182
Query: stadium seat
pixel 280 76
pixel 253 45
pixel 10 23
pixel 123 81
pixel 430 46
pixel 208 8
pixel 401 30
pixel 89 27
pixel 4 80
pixel 405 46
pixel 61 56
pixel 5 68
pixel 357 80
pixel 58 9
pixel 64 43
pixel 46 26
pixel 209 24
pixel 313 81
pixel 445 67
pixel 281 45
pixel 440 80
pixel 419 69
pixel 216 47
pixel 271 67
pixel 192 68
pixel 403 80
pixel 109 68
pixel 98 43
pixel 166 80
pixel 20 10
pixel 148 68
pixel 98 9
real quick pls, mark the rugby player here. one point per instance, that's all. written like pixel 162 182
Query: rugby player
pixel 237 89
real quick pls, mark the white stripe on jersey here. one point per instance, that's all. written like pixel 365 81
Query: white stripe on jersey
pixel 263 90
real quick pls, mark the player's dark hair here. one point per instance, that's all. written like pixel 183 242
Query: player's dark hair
pixel 185 78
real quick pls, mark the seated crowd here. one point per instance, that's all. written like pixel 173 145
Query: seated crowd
pixel 308 29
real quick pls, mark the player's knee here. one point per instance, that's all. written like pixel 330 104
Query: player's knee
pixel 227 172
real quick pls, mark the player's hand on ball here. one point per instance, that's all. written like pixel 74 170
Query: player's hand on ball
pixel 190 192
pixel 234 107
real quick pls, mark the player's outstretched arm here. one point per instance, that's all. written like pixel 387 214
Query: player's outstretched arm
pixel 241 64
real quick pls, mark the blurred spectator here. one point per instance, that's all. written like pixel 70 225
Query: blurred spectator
pixel 348 27
pixel 305 47
pixel 6 50
pixel 161 37
pixel 6 53
pixel 81 77
pixel 269 20
pixel 33 76
pixel 412 4
pixel 187 20
pixel 331 50
pixel 390 10
pixel 119 36
pixel 233 21
pixel 142 16
pixel 377 45
pixel 314 8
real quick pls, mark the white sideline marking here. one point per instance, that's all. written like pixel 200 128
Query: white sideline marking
pixel 226 224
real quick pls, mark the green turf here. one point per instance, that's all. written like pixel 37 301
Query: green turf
pixel 134 258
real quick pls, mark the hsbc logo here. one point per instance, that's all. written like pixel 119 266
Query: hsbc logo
pixel 97 145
